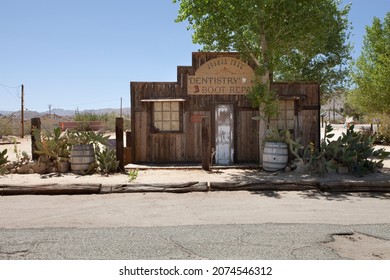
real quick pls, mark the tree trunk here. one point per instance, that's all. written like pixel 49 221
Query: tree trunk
pixel 266 81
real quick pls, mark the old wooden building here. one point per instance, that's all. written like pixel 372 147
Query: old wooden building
pixel 166 117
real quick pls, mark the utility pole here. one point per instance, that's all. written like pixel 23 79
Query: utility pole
pixel 121 108
pixel 22 112
pixel 49 110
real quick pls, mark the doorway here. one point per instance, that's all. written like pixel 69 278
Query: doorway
pixel 224 126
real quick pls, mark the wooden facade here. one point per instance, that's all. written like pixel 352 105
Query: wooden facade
pixel 166 117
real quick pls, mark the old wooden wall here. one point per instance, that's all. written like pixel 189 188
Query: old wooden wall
pixel 185 145
pixel 307 100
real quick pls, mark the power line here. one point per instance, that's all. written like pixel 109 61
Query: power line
pixel 13 92
pixel 8 86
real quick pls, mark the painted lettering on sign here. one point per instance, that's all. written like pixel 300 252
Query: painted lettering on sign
pixel 224 75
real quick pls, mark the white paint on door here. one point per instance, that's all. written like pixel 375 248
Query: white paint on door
pixel 224 147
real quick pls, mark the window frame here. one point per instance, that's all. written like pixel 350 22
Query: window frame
pixel 160 129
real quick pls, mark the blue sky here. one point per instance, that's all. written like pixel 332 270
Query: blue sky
pixel 83 53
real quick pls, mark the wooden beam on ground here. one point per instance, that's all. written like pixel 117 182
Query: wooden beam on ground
pixel 50 189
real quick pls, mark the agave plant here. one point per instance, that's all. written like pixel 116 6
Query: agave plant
pixel 55 145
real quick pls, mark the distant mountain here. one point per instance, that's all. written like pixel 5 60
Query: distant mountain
pixel 5 113
pixel 27 115
pixel 64 113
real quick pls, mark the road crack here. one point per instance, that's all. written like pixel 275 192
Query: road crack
pixel 13 250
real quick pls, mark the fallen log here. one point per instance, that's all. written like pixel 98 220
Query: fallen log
pixel 355 186
pixel 49 189
pixel 174 188
pixel 262 185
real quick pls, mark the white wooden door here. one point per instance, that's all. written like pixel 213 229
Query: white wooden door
pixel 224 146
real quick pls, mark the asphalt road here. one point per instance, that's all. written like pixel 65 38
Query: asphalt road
pixel 221 225
pixel 265 241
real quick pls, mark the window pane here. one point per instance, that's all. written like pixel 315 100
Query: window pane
pixel 166 106
pixel 166 116
pixel 290 124
pixel 175 126
pixel 166 126
pixel 158 125
pixel 290 104
pixel 158 106
pixel 175 116
pixel 281 124
pixel 158 116
pixel 290 114
pixel 175 106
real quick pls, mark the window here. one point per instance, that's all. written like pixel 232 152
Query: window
pixel 166 116
pixel 286 117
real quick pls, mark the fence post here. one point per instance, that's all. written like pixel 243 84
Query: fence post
pixel 35 124
pixel 206 152
pixel 127 149
pixel 119 143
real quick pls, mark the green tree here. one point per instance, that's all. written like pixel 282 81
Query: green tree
pixel 294 40
pixel 371 70
pixel 287 40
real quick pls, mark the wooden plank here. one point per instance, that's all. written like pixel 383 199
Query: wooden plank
pixel 35 124
pixel 174 188
pixel 241 136
pixel 119 144
pixel 206 152
pixel 137 137
pixel 264 185
pixel 50 189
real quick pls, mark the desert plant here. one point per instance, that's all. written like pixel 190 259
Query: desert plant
pixel 315 160
pixel 3 161
pixel 5 126
pixel 384 129
pixel 21 157
pixel 53 148
pixel 133 174
pixel 87 137
pixel 88 117
pixel 106 159
pixel 284 136
pixel 352 149
pixel 54 145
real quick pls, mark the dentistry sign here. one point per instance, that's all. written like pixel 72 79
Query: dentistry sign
pixel 223 75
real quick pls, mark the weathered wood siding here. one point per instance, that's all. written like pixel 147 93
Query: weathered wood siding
pixel 186 145
pixel 307 99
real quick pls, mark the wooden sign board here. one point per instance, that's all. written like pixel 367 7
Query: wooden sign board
pixel 223 75
pixel 196 118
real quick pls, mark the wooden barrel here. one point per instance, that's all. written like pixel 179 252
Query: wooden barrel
pixel 81 157
pixel 275 156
